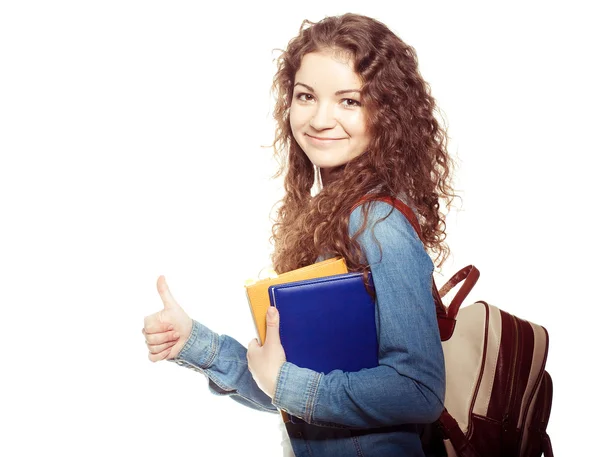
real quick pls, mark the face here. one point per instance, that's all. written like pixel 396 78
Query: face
pixel 326 115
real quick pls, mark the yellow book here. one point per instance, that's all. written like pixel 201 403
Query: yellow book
pixel 258 292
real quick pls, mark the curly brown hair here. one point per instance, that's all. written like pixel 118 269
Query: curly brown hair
pixel 406 158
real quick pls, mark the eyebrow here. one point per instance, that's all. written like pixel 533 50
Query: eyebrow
pixel 339 92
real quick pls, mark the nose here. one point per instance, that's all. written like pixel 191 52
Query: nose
pixel 323 117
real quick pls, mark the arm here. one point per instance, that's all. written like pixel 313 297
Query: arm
pixel 408 385
pixel 171 334
pixel 223 361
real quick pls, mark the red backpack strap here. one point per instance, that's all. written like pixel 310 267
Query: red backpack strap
pixel 452 431
pixel 446 323
pixel 469 275
pixel 547 446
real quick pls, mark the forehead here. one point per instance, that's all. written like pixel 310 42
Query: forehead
pixel 328 72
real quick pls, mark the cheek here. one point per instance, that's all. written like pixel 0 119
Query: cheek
pixel 359 132
pixel 294 128
pixel 296 121
pixel 293 117
pixel 356 124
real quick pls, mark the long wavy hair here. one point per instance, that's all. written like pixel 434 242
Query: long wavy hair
pixel 406 157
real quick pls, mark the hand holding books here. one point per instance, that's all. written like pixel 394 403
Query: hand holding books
pixel 265 361
pixel 327 323
pixel 327 316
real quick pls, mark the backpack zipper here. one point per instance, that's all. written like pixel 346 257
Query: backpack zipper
pixel 547 392
pixel 506 419
pixel 539 417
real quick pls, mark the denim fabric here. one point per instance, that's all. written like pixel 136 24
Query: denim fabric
pixel 372 412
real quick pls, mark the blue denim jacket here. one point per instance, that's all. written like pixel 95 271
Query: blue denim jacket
pixel 372 412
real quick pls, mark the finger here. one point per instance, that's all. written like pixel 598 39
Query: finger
pixel 160 356
pixel 158 348
pixel 153 325
pixel 272 336
pixel 165 293
pixel 161 338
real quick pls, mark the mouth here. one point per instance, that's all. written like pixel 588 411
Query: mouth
pixel 318 139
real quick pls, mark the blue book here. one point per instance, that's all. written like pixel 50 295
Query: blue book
pixel 327 323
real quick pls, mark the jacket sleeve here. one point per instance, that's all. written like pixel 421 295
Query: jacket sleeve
pixel 408 385
pixel 223 361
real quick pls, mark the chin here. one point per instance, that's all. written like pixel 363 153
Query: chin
pixel 318 159
pixel 328 165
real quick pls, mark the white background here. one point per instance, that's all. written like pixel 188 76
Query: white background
pixel 130 143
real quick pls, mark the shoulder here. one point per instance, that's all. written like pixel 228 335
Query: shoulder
pixel 387 233
pixel 382 217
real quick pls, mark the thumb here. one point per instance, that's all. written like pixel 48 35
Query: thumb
pixel 272 326
pixel 165 294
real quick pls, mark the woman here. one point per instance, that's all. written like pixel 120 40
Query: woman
pixel 356 118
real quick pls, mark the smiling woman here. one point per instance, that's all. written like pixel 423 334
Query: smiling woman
pixel 354 117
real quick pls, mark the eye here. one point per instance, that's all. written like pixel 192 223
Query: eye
pixel 304 97
pixel 350 102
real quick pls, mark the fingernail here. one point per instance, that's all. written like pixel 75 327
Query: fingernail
pixel 175 335
pixel 170 327
pixel 271 311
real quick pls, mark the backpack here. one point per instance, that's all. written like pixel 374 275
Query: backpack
pixel 498 394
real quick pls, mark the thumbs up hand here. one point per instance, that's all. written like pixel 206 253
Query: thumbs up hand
pixel 167 330
pixel 265 361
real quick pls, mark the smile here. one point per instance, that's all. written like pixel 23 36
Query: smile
pixel 319 140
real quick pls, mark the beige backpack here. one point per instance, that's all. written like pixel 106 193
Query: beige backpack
pixel 498 394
